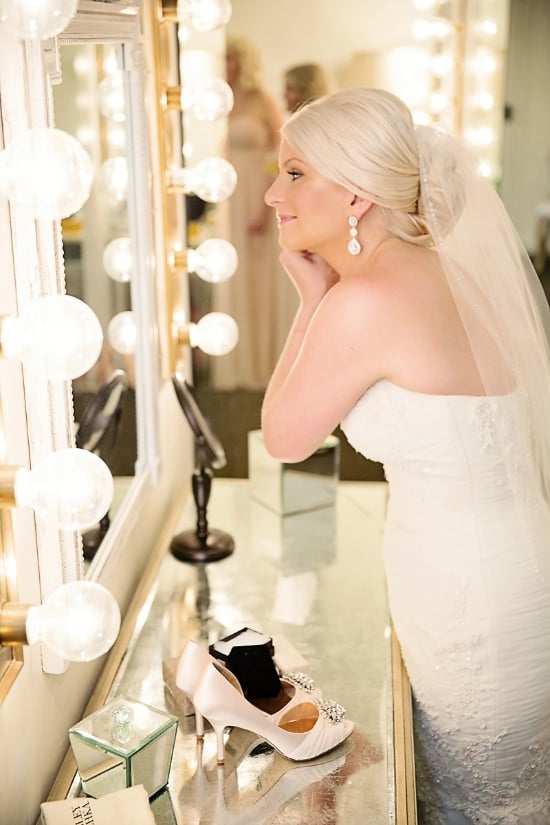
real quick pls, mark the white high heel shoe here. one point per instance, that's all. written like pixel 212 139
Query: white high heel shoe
pixel 192 662
pixel 194 659
pixel 304 729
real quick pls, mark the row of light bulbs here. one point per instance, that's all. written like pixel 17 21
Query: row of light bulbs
pixel 463 67
pixel 50 174
pixel 61 337
pixel 212 179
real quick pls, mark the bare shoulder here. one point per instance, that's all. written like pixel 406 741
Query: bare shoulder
pixel 389 280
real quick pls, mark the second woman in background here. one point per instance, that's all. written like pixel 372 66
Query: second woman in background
pixel 306 82
pixel 259 296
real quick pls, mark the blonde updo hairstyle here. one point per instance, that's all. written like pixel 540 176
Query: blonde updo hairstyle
pixel 364 139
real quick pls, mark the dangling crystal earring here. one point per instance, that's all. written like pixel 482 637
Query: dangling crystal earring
pixel 354 247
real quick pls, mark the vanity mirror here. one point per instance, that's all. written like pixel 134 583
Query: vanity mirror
pixel 97 96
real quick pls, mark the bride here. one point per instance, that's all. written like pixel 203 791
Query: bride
pixel 421 329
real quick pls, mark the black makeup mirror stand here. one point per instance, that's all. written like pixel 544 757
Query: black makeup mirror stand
pixel 204 543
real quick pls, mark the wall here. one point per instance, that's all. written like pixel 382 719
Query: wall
pixel 322 31
pixel 526 153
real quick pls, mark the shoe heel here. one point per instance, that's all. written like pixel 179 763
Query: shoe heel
pixel 219 728
pixel 199 726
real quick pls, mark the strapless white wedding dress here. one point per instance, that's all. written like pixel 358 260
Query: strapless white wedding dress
pixel 469 592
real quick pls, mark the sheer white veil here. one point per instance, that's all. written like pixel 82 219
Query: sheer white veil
pixel 498 295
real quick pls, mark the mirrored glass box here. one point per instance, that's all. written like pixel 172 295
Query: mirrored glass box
pixel 122 744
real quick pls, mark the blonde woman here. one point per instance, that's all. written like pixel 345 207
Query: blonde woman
pixel 423 329
pixel 305 82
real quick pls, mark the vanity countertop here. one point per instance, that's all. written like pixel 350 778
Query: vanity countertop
pixel 314 582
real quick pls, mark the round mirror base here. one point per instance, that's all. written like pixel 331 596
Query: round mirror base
pixel 188 546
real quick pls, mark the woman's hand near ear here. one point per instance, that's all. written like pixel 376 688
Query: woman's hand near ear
pixel 310 274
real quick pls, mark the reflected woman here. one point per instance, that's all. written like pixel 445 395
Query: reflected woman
pixel 305 82
pixel 259 296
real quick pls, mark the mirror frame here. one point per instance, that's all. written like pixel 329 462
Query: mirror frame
pixel 106 25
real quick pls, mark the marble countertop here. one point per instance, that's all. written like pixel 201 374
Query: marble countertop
pixel 314 582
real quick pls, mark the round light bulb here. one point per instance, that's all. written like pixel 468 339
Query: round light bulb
pixel 113 178
pixel 80 621
pixel 30 19
pixel 214 260
pixel 213 179
pixel 72 489
pixel 58 336
pixel 204 15
pixel 209 100
pixel 48 172
pixel 110 93
pixel 122 333
pixel 117 259
pixel 215 334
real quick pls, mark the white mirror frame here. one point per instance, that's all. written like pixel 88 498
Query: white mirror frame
pixel 123 29
pixel 36 251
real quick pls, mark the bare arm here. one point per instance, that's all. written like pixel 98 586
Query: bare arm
pixel 330 358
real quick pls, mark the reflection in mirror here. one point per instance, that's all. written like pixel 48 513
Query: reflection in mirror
pixel 97 431
pixel 89 103
pixel 11 658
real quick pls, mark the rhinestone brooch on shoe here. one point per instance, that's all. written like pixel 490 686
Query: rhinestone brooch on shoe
pixel 301 680
pixel 332 711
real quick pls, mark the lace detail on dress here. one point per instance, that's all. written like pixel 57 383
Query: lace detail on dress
pixel 469 786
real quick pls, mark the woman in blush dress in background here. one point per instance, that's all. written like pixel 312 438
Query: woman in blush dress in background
pixel 423 329
pixel 259 296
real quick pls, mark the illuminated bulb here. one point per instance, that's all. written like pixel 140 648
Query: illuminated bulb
pixel 30 19
pixel 215 334
pixel 421 29
pixel 484 63
pixel 113 178
pixel 421 117
pixel 488 27
pixel 438 102
pixel 209 100
pixel 214 260
pixel 111 97
pixel 485 168
pixel 79 621
pixel 122 333
pixel 71 489
pixel 117 259
pixel 212 179
pixel 83 65
pixel 46 171
pixel 116 136
pixel 58 336
pixel 204 15
pixel 482 136
pixel 486 101
pixel 441 64
pixel 438 28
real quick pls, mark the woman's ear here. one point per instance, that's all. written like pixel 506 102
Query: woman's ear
pixel 360 206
